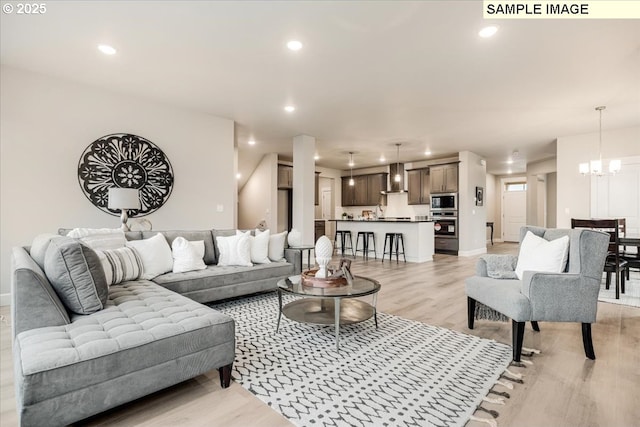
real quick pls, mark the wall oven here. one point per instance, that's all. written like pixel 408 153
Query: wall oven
pixel 445 230
pixel 445 226
pixel 444 202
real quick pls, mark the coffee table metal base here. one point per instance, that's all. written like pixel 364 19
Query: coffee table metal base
pixel 327 311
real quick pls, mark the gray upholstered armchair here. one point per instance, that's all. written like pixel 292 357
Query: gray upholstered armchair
pixel 570 296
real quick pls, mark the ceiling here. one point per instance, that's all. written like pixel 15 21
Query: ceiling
pixel 371 73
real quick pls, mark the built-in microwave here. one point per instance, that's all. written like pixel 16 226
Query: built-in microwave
pixel 444 202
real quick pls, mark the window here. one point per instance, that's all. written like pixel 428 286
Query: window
pixel 516 186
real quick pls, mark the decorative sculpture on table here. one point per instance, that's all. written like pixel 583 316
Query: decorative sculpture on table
pixel 294 238
pixel 325 276
pixel 324 250
pixel 125 161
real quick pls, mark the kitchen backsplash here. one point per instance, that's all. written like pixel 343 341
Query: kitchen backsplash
pixel 397 206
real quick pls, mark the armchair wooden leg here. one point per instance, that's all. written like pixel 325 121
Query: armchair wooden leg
pixel 587 341
pixel 471 311
pixel 225 375
pixel 535 326
pixel 517 337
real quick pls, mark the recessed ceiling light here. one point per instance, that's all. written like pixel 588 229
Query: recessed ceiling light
pixel 294 45
pixel 509 162
pixel 427 153
pixel 238 176
pixel 487 32
pixel 289 108
pixel 509 172
pixel 251 142
pixel 316 157
pixel 106 49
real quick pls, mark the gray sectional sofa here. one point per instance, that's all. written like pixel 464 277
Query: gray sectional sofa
pixel 151 334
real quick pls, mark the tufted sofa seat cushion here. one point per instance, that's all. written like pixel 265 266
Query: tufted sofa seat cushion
pixel 142 325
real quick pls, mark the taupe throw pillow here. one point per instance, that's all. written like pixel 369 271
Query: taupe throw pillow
pixel 76 274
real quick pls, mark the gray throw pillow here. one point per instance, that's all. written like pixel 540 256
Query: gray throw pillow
pixel 76 274
pixel 39 247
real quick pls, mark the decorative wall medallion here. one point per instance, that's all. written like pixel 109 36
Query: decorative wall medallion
pixel 128 161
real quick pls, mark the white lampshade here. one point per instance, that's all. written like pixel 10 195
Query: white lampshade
pixel 615 166
pixel 124 198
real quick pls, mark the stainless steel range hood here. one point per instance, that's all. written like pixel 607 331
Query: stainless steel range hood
pixel 394 187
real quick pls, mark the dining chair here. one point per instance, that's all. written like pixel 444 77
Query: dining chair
pixel 614 263
pixel 631 254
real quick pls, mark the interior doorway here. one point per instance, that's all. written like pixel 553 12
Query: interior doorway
pixel 514 208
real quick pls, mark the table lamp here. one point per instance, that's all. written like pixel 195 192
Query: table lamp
pixel 124 199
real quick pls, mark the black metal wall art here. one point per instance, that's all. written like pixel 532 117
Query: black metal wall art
pixel 128 161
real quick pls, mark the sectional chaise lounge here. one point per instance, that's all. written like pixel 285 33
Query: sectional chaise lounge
pixel 148 334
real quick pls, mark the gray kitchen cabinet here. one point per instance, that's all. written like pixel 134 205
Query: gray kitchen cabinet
pixel 419 187
pixel 444 178
pixel 366 190
pixel 285 177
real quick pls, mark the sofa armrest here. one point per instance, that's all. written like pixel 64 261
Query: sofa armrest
pixel 561 297
pixel 294 257
pixel 34 302
pixel 481 268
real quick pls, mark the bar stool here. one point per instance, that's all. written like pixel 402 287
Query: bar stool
pixel 345 237
pixel 393 238
pixel 366 236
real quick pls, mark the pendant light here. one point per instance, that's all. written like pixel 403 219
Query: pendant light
pixel 397 178
pixel 594 167
pixel 351 181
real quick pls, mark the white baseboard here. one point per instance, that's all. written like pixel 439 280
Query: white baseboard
pixel 473 252
pixel 494 241
pixel 5 299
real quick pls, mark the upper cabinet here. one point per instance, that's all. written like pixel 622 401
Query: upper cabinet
pixel 444 178
pixel 366 190
pixel 285 177
pixel 419 189
pixel 285 181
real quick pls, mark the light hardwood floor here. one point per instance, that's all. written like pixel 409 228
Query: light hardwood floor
pixel 562 388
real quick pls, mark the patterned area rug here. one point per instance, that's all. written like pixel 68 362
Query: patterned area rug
pixel 631 295
pixel 405 373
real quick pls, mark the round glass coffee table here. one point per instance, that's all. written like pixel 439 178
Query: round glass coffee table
pixel 326 306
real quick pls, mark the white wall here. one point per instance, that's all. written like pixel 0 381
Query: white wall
pixel 258 198
pixel 490 203
pixel 574 190
pixel 46 123
pixel 552 199
pixel 472 219
pixel 537 198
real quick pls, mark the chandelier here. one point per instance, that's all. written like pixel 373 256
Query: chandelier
pixel 594 167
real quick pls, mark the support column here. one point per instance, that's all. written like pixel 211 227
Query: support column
pixel 304 148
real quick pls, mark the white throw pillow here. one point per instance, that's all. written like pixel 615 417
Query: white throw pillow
pixel 234 250
pixel 77 233
pixel 187 256
pixel 259 246
pixel 276 245
pixel 155 255
pixel 104 242
pixel 538 254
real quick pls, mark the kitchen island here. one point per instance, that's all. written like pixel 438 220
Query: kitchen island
pixel 418 235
